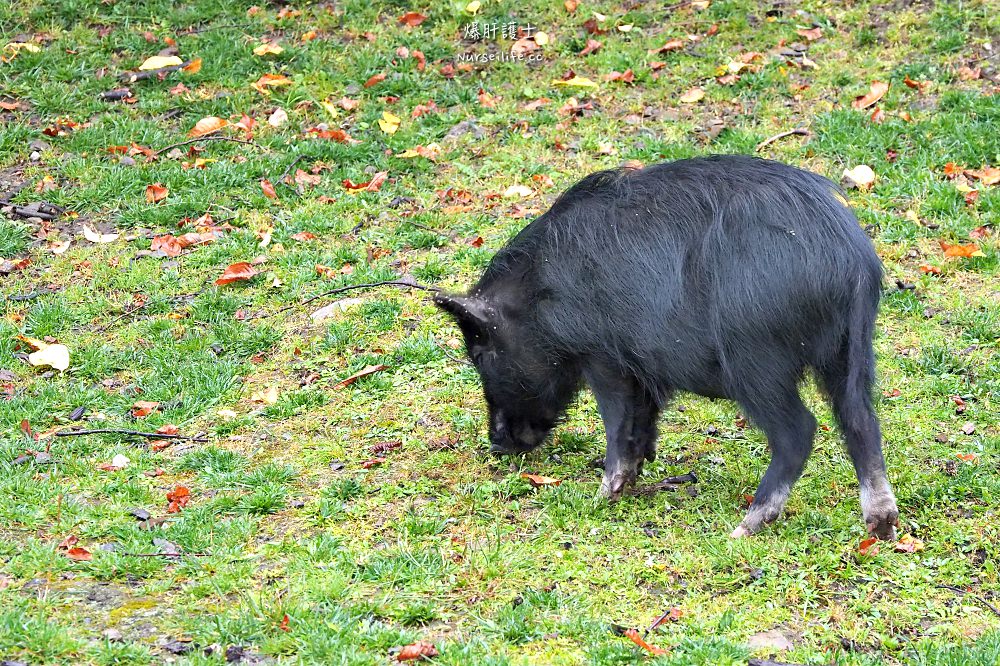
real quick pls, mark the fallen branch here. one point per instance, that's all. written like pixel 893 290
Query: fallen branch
pixel 288 170
pixel 123 431
pixel 975 596
pixel 800 131
pixel 340 290
pixel 429 229
pixel 132 77
pixel 163 554
pixel 206 138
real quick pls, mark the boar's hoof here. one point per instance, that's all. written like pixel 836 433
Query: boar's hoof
pixel 740 532
pixel 884 528
pixel 498 450
pixel 613 486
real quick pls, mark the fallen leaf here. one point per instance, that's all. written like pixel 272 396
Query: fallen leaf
pixel 571 5
pixel 861 177
pixel 967 457
pixel 592 46
pixel 304 236
pixel 374 462
pixel 969 428
pixel 418 650
pixel 156 192
pixel 268 189
pixel 370 370
pixel 869 547
pixel 927 268
pixel 672 45
pixel 207 125
pixel 143 408
pixel 68 542
pixel 517 192
pixel 633 635
pixel 691 96
pixel 268 48
pixel 373 185
pixel 538 481
pixel 968 250
pixel 375 80
pixel 878 89
pixel 159 62
pixel 285 620
pixel 167 244
pixel 576 82
pixel 96 237
pixel 267 81
pixel 986 175
pixel 810 35
pixel 241 270
pixel 908 544
pixel 193 67
pixel 412 19
pixel 916 85
pixel 979 233
pixel 969 73
pixel 177 499
pixel 389 122
pixel 268 396
pixel 55 356
pixel 278 117
pixel 79 554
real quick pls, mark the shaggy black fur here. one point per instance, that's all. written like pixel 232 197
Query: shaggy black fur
pixel 726 276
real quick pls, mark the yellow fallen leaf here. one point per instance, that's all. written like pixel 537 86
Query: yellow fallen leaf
pixel 159 62
pixel 95 236
pixel 268 396
pixel 53 356
pixel 541 38
pixel 473 7
pixel 389 122
pixel 861 177
pixel 268 48
pixel 691 96
pixel 576 82
pixel 329 107
pixel 517 192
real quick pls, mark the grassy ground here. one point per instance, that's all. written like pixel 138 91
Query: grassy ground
pixel 296 551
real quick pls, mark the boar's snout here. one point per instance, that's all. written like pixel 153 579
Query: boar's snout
pixel 508 437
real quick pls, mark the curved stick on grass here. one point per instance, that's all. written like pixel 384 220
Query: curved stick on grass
pixel 352 287
pixel 975 596
pixel 123 431
pixel 800 131
pixel 206 138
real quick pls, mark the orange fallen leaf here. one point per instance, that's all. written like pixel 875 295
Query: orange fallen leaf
pixel 538 481
pixel 374 462
pixel 418 650
pixel 987 175
pixel 79 554
pixel 241 270
pixel 633 635
pixel 375 80
pixel 878 89
pixel 927 268
pixel 267 81
pixel 68 542
pixel 168 429
pixel 908 544
pixel 370 370
pixel 304 236
pixel 207 125
pixel 177 499
pixel 811 35
pixel 167 244
pixel 284 623
pixel 672 45
pixel 979 233
pixel 412 19
pixel 952 170
pixel 372 185
pixel 968 250
pixel 869 547
pixel 143 408
pixel 156 193
pixel 967 457
pixel 268 189
pixel 193 67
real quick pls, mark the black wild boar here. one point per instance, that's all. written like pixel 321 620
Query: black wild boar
pixel 725 276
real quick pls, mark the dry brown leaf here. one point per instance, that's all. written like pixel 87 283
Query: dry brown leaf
pixel 878 89
pixel 207 126
pixel 241 270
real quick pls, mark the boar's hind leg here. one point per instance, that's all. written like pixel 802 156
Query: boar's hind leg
pixel 629 413
pixel 789 427
pixel 852 405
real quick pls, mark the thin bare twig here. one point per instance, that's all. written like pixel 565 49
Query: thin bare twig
pixel 288 170
pixel 429 229
pixel 163 554
pixel 800 131
pixel 339 290
pixel 132 77
pixel 207 138
pixel 124 431
pixel 975 596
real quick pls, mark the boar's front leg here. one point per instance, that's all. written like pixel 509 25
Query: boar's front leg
pixel 629 413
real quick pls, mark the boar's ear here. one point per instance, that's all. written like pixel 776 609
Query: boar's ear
pixel 466 309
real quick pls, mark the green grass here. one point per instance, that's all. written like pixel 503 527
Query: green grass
pixel 440 542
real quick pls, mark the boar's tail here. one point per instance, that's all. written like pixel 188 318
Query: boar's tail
pixel 860 331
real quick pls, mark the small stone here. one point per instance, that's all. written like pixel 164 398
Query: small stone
pixel 35 156
pixel 234 653
pixel 112 635
pixel 126 161
pixel 177 647
pixel 139 514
